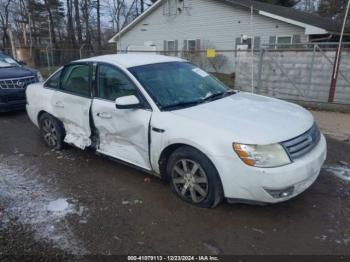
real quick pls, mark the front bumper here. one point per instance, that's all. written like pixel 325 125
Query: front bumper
pixel 12 100
pixel 242 182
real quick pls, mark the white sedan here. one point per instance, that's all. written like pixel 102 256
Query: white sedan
pixel 174 120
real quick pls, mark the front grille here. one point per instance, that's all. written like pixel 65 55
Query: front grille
pixel 13 98
pixel 301 145
pixel 17 83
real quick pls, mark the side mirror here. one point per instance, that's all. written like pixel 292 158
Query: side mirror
pixel 127 102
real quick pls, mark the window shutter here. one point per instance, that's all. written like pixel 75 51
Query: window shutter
pixel 165 46
pixel 184 47
pixel 176 47
pixel 198 44
pixel 272 40
pixel 238 41
pixel 257 42
pixel 296 39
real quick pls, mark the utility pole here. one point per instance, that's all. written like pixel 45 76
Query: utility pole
pixel 337 58
pixel 252 43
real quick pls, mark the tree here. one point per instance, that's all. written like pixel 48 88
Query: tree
pixel 4 21
pixel 98 12
pixel 77 21
pixel 310 6
pixel 55 12
pixel 122 13
pixel 334 9
pixel 142 3
pixel 70 26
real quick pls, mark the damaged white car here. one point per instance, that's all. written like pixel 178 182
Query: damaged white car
pixel 170 118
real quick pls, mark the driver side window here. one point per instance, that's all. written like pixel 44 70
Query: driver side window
pixel 112 83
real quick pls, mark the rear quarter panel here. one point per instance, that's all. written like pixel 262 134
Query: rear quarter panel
pixel 38 100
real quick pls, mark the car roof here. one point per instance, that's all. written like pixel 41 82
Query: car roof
pixel 131 60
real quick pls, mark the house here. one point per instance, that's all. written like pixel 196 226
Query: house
pixel 179 27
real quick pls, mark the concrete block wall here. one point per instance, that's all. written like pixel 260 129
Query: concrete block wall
pixel 302 75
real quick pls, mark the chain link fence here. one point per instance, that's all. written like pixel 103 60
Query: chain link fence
pixel 48 60
pixel 302 73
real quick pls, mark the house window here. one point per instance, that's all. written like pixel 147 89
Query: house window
pixel 191 46
pixel 247 42
pixel 284 41
pixel 171 46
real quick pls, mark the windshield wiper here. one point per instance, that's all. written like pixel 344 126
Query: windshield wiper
pixel 219 95
pixel 9 66
pixel 182 104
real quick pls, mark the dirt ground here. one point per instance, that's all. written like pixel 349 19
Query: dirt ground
pixel 79 203
pixel 336 125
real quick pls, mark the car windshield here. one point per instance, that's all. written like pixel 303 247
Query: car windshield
pixel 175 85
pixel 6 61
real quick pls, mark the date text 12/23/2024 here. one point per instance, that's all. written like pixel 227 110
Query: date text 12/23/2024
pixel 173 258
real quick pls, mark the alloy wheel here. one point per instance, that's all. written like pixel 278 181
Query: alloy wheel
pixel 50 132
pixel 190 181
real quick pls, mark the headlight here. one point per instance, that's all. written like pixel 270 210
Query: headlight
pixel 262 155
pixel 40 77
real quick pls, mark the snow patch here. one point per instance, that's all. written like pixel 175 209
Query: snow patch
pixel 340 171
pixel 59 205
pixel 33 202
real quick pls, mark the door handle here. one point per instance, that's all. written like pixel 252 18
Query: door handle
pixel 59 104
pixel 104 115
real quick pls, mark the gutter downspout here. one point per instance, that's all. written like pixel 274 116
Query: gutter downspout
pixel 322 38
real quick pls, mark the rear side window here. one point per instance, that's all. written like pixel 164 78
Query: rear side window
pixel 112 83
pixel 76 79
pixel 54 81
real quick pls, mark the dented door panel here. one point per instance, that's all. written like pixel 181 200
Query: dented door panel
pixel 73 111
pixel 123 133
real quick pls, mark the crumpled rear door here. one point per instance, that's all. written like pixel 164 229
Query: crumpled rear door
pixel 74 111
pixel 72 103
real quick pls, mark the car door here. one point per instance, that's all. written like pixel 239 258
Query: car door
pixel 123 133
pixel 72 102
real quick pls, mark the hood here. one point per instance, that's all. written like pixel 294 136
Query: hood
pixel 16 72
pixel 252 119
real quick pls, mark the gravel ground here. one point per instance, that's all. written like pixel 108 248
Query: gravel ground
pixel 75 202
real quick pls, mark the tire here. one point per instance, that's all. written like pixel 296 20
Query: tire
pixel 194 178
pixel 52 131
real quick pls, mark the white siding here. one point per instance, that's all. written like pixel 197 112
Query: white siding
pixel 216 24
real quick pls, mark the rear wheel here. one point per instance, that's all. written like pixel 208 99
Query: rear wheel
pixel 194 178
pixel 52 131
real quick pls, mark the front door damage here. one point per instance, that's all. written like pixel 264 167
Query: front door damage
pixel 123 133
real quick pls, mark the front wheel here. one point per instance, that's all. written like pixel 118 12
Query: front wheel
pixel 194 178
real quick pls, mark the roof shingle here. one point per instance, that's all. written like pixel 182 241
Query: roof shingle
pixel 291 13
